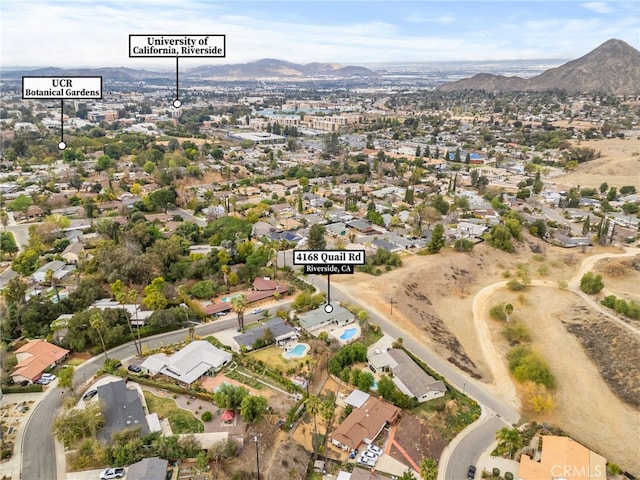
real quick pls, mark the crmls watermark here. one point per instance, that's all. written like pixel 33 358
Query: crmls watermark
pixel 577 471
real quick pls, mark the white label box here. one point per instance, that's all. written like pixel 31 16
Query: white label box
pixel 158 45
pixel 324 257
pixel 74 87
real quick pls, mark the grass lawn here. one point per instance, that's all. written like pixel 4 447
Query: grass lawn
pixel 272 357
pixel 74 362
pixel 181 421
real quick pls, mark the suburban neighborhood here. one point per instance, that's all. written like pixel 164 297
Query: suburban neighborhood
pixel 156 325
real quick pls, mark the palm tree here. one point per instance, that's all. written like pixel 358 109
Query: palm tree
pixel 508 309
pixel 97 323
pixel 313 405
pixel 509 439
pixel 428 469
pixel 122 298
pixel 224 269
pixel 239 305
pixel 407 475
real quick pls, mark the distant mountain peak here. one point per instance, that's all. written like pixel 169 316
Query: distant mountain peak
pixel 613 67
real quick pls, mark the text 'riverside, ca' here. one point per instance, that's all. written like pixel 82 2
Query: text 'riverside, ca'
pixel 177 45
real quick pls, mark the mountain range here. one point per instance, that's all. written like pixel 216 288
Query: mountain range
pixel 613 67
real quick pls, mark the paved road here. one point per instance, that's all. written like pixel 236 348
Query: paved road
pixel 38 446
pixel 468 450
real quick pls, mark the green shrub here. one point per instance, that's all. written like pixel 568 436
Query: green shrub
pixel 516 285
pixel 206 416
pixel 516 332
pixel 497 312
pixel 591 284
pixel 508 476
pixel 525 365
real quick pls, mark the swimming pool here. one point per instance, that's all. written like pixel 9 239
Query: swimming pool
pixel 298 351
pixel 348 334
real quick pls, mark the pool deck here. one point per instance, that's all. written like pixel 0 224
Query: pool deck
pixel 287 349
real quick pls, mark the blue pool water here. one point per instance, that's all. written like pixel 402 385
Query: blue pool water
pixel 348 333
pixel 298 351
pixel 375 385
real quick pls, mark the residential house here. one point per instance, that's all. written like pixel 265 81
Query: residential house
pixel 138 316
pixel 364 424
pixel 154 468
pixel 57 268
pixel 408 376
pixel 319 318
pixel 336 229
pixel 188 365
pixel 280 331
pixel 563 457
pixel 123 410
pixel 73 252
pixel 34 358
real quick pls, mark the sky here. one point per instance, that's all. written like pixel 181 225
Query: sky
pixel 93 33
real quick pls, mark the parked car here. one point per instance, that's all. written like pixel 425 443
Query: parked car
pixel 49 376
pixel 257 310
pixel 364 460
pixel 89 395
pixel 471 473
pixel 370 454
pixel 354 453
pixel 134 368
pixel 221 314
pixel 110 473
pixel 375 449
pixel 43 381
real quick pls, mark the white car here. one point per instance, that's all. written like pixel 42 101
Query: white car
pixel 110 473
pixel 49 376
pixel 375 449
pixel 257 310
pixel 370 454
pixel 364 460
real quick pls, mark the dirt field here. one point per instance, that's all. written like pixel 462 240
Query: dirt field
pixel 618 166
pixel 435 298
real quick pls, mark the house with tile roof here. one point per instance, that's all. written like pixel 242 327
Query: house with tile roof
pixel 34 358
pixel 563 457
pixel 364 424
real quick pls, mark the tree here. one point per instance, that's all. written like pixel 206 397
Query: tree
pixel 230 397
pixel 586 227
pixel 313 405
pixel 509 440
pixel 428 469
pixel 407 475
pixel 21 204
pixel 153 294
pixel 8 243
pixel 239 305
pixel 65 377
pixel 604 187
pixel 253 408
pixel 162 198
pixel 437 239
pixel 97 323
pixel 317 240
pixel 508 309
pixel 537 184
pixel 591 284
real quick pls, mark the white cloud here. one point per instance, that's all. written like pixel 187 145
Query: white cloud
pixel 598 7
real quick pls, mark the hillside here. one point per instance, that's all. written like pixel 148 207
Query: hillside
pixel 613 67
